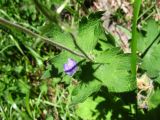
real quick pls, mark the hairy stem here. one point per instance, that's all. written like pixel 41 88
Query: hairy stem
pixel 82 51
pixel 33 34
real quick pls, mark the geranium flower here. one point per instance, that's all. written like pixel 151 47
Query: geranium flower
pixel 70 67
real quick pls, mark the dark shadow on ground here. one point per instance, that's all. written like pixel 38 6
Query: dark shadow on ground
pixel 115 103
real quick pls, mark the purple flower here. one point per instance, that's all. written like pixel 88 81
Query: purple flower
pixel 70 67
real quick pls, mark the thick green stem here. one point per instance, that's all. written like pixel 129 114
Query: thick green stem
pixel 137 5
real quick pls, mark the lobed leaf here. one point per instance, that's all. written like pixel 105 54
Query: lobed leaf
pixel 84 90
pixel 151 61
pixel 88 33
pixel 154 100
pixel 152 29
pixel 114 71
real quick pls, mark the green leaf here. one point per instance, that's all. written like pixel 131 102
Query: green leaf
pixel 87 109
pixel 152 29
pixel 115 67
pixel 157 79
pixel 84 90
pixel 58 35
pixel 67 79
pixel 23 86
pixel 114 56
pixel 27 105
pixel 116 79
pixel 154 100
pixel 151 61
pixel 104 45
pixel 44 88
pixel 2 87
pixel 16 44
pixel 87 35
pixel 50 117
pixel 46 74
pixel 38 58
pixel 18 69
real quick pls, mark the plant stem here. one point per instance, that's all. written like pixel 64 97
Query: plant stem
pixel 137 5
pixel 79 48
pixel 33 34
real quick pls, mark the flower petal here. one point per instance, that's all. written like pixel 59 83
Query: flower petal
pixel 70 67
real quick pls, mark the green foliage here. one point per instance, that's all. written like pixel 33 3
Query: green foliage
pixel 35 43
pixel 46 12
pixel 87 34
pixel 154 100
pixel 151 30
pixel 86 109
pixel 122 79
pixel 47 73
pixel 151 61
pixel 150 48
pixel 84 90
pixel 57 34
pixel 115 67
pixel 59 60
